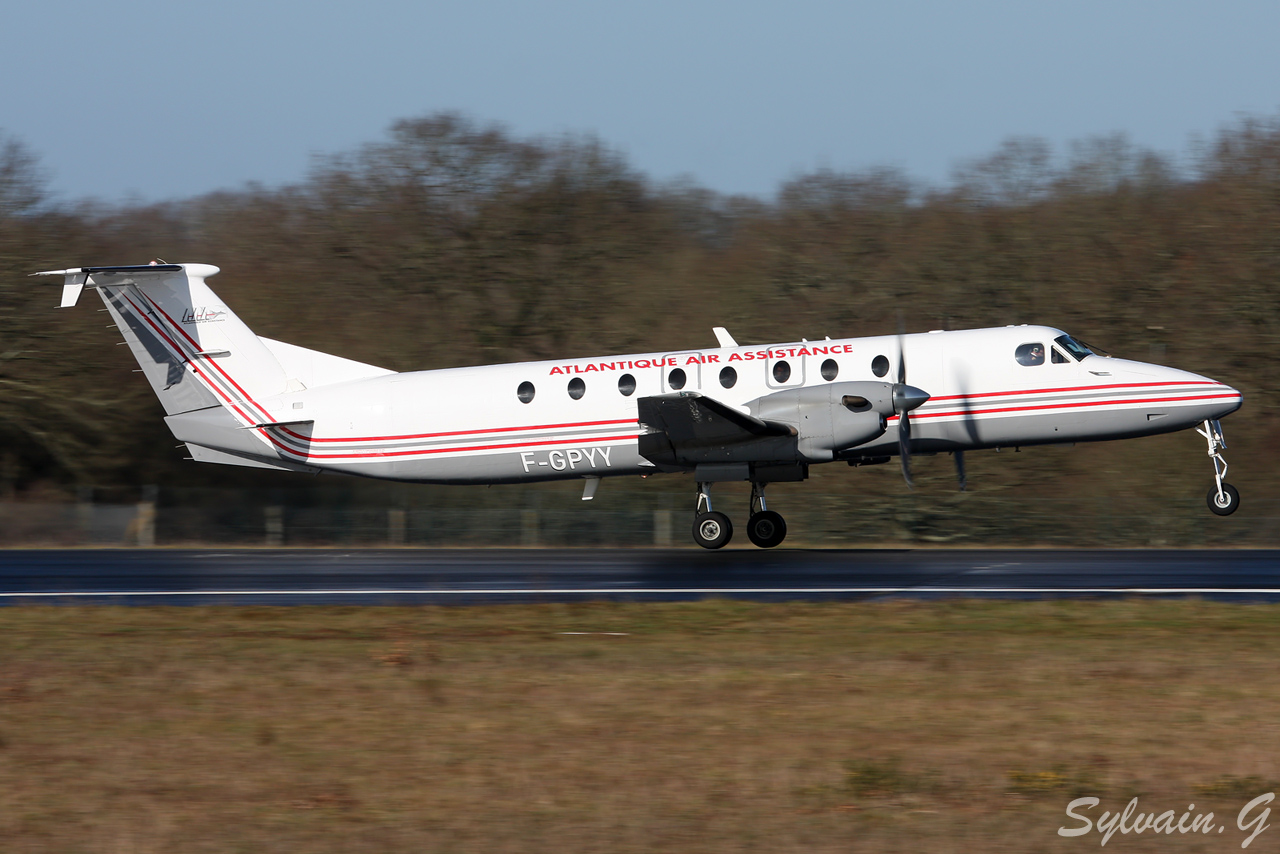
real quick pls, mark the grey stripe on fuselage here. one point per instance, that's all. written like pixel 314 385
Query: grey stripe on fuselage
pixel 1084 424
pixel 331 446
pixel 1136 393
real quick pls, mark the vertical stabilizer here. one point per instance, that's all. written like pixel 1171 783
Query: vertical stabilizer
pixel 194 351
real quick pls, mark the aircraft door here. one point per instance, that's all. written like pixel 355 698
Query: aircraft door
pixel 784 369
pixel 681 372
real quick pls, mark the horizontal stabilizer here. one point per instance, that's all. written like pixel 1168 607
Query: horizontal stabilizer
pixel 76 279
pixel 201 454
pixel 130 270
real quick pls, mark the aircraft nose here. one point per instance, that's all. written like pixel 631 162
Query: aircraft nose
pixel 1232 397
pixel 1223 397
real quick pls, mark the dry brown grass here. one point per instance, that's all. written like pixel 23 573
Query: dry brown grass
pixel 716 726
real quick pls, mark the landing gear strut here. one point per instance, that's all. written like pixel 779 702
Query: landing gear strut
pixel 765 528
pixel 711 530
pixel 1223 498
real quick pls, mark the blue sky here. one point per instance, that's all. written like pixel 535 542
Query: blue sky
pixel 149 100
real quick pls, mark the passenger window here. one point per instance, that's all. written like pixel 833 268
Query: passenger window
pixel 781 372
pixel 577 388
pixel 830 370
pixel 880 366
pixel 728 377
pixel 676 379
pixel 1056 357
pixel 1029 354
pixel 525 392
pixel 627 385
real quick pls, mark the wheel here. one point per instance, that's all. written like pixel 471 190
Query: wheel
pixel 712 530
pixel 766 529
pixel 1227 504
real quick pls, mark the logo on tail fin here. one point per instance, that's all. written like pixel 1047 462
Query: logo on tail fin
pixel 204 315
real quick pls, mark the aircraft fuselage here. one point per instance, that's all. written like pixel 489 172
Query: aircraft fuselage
pixel 472 425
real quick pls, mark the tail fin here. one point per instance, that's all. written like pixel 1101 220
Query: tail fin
pixel 213 376
pixel 193 350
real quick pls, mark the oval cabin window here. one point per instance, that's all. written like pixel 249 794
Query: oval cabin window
pixel 577 388
pixel 1029 354
pixel 525 392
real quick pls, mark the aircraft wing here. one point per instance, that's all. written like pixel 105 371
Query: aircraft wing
pixel 686 428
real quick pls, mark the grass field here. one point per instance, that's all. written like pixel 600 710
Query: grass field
pixel 717 726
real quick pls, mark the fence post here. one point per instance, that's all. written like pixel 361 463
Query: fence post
pixel 145 521
pixel 528 528
pixel 662 528
pixel 395 526
pixel 274 518
pixel 84 512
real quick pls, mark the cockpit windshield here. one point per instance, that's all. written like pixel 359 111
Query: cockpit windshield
pixel 1077 350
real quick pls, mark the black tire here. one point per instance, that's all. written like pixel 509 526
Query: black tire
pixel 712 530
pixel 1232 497
pixel 766 529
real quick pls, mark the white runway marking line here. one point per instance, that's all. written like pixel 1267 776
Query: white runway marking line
pixel 992 569
pixel 664 591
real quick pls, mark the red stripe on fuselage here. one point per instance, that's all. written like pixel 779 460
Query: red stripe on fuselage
pixel 377 454
pixel 462 432
pixel 1069 388
pixel 1080 403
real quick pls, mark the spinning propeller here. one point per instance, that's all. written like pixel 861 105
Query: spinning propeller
pixel 905 398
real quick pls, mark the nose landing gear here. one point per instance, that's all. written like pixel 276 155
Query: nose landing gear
pixel 1223 498
pixel 713 530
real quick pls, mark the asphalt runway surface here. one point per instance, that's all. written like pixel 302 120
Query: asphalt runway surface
pixel 476 576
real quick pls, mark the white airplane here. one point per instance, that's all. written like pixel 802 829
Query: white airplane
pixel 762 414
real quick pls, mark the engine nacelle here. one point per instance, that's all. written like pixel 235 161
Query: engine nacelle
pixel 829 418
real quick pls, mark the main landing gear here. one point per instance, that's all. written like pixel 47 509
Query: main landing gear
pixel 1223 498
pixel 713 530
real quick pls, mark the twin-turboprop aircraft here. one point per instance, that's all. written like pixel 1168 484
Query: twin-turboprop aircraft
pixel 762 414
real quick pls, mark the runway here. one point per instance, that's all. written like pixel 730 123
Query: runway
pixel 489 576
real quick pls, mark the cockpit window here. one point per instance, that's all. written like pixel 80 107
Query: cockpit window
pixel 1077 350
pixel 1029 354
pixel 1055 356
